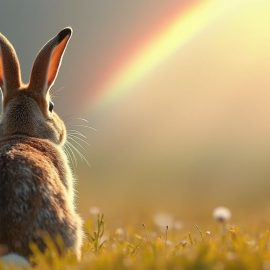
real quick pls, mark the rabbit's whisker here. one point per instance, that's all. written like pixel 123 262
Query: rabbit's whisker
pixel 75 141
pixel 74 136
pixel 67 152
pixel 79 153
pixel 73 131
pixel 94 129
pixel 71 117
pixel 72 154
pixel 82 119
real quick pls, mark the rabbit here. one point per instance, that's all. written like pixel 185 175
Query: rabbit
pixel 36 181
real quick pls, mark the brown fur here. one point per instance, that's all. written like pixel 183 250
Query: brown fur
pixel 36 183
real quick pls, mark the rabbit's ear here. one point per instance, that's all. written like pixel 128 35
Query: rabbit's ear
pixel 48 61
pixel 10 73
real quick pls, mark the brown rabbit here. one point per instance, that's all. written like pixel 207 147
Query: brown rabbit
pixel 36 183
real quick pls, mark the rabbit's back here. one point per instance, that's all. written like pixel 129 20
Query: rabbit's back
pixel 35 196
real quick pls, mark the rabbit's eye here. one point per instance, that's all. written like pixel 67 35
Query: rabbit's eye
pixel 51 105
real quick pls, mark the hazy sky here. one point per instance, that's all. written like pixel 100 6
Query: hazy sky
pixel 201 115
pixel 104 31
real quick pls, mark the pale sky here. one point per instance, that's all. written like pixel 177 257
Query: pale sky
pixel 202 116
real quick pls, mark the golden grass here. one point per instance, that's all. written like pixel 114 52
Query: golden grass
pixel 151 247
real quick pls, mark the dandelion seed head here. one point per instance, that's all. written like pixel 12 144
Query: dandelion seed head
pixel 222 214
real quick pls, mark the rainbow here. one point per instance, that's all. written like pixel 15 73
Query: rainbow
pixel 178 31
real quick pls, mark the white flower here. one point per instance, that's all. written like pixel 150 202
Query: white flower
pixel 163 219
pixel 13 259
pixel 222 214
pixel 94 211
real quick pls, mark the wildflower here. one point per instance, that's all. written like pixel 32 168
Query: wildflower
pixel 222 214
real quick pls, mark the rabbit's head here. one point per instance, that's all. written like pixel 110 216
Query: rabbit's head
pixel 28 109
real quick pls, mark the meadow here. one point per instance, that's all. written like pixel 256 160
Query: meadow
pixel 215 244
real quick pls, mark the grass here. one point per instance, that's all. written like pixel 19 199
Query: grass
pixel 162 247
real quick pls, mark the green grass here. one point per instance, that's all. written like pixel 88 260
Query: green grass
pixel 151 247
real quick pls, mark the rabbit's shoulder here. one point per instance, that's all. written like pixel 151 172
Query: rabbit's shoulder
pixel 28 171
